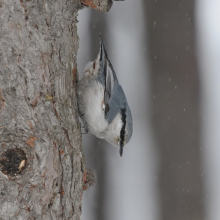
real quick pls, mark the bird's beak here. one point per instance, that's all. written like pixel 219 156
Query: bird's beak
pixel 103 55
pixel 121 150
pixel 104 61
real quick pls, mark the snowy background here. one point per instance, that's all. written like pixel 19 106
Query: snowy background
pixel 129 188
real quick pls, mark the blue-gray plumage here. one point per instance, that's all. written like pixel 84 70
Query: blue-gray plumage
pixel 102 103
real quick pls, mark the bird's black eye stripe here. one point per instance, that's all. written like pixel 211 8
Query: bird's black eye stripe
pixel 122 133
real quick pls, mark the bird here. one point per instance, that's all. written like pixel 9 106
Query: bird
pixel 102 103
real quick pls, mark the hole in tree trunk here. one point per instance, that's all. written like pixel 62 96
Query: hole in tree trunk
pixel 13 161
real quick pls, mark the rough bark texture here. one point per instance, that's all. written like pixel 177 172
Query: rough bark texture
pixel 41 159
pixel 175 102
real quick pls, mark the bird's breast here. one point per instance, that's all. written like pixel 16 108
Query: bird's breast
pixel 91 100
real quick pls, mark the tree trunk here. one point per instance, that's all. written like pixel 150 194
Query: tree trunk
pixel 175 103
pixel 41 159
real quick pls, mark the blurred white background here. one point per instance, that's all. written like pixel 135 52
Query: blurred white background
pixel 130 188
pixel 208 42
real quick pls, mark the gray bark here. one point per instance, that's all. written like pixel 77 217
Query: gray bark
pixel 41 160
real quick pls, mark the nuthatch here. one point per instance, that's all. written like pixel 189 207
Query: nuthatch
pixel 102 103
